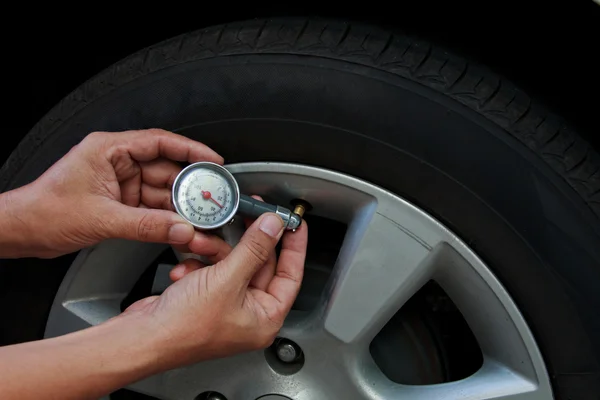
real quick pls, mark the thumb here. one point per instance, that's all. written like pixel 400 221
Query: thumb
pixel 255 247
pixel 151 225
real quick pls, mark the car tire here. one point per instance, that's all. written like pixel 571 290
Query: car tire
pixel 512 179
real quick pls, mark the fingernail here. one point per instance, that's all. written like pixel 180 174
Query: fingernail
pixel 181 233
pixel 271 224
pixel 177 272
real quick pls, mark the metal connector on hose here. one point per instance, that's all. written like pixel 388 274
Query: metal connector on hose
pixel 252 208
pixel 290 220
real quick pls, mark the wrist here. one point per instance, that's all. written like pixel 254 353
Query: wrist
pixel 168 347
pixel 152 349
pixel 90 363
pixel 130 351
pixel 16 232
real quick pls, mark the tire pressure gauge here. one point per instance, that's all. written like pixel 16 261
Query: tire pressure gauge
pixel 208 196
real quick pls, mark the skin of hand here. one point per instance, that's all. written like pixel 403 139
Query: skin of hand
pixel 110 185
pixel 118 185
pixel 236 305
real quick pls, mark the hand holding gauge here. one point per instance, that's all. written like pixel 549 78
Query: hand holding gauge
pixel 208 196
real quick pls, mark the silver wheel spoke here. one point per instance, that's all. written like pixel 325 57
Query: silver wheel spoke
pixel 496 325
pixel 104 276
pixel 492 381
pixel 379 267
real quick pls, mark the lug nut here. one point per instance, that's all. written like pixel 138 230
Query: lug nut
pixel 284 356
pixel 287 351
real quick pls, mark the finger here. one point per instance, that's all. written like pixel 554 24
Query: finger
pixel 184 268
pixel 130 187
pixel 254 248
pixel 146 225
pixel 154 197
pixel 149 144
pixel 160 173
pixel 285 285
pixel 264 275
pixel 210 246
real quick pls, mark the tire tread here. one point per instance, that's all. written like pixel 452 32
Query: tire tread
pixel 547 135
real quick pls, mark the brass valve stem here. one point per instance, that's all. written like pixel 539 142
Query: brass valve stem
pixel 299 210
pixel 300 207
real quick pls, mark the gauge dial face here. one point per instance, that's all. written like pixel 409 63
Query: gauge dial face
pixel 206 195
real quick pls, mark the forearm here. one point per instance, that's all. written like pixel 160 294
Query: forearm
pixel 83 365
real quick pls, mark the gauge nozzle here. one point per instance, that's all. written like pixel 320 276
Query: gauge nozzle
pixel 252 208
pixel 294 221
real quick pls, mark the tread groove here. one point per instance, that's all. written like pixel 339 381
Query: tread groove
pixel 442 66
pixel 542 120
pixel 569 147
pixel 492 95
pixel 462 74
pixel 514 96
pixel 181 41
pixel 322 32
pixel 552 137
pixel 304 26
pixel 524 114
pixel 146 55
pixel 344 35
pixel 259 33
pixel 424 60
pixel 220 36
pixel 478 82
pixel 579 163
pixel 386 46
pixel 406 49
pixel 362 44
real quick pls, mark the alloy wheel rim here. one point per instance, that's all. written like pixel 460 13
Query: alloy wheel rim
pixel 391 247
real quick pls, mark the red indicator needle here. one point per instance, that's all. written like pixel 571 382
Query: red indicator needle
pixel 216 202
pixel 206 195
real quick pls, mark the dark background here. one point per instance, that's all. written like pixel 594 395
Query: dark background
pixel 549 48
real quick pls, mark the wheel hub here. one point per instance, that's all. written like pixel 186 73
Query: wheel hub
pixel 287 351
pixel 390 251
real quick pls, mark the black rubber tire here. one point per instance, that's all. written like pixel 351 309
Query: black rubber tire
pixel 513 180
